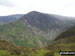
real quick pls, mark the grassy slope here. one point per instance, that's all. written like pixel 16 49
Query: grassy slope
pixel 8 49
pixel 16 33
pixel 13 32
pixel 65 41
pixel 19 34
pixel 68 33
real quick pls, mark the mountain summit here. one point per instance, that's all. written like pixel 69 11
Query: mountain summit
pixel 35 29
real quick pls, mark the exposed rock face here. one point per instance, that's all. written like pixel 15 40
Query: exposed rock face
pixel 47 25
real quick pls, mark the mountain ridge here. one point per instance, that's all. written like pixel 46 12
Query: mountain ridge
pixel 34 29
pixel 9 18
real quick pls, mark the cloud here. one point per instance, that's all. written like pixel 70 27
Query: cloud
pixel 7 3
pixel 61 7
pixel 9 11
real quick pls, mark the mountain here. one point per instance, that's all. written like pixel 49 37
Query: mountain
pixel 65 41
pixel 35 29
pixel 10 18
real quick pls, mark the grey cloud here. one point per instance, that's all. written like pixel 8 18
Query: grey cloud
pixel 6 3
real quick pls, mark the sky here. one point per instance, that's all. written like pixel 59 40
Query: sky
pixel 59 7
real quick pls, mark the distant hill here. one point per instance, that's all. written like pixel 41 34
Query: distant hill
pixel 65 41
pixel 10 18
pixel 35 29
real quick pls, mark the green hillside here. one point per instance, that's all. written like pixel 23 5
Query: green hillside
pixel 68 33
pixel 14 32
pixel 65 41
pixel 35 29
pixel 63 44
pixel 18 38
pixel 8 49
pixel 19 34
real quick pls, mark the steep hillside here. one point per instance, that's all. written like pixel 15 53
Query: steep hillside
pixel 65 41
pixel 69 33
pixel 35 29
pixel 19 34
pixel 10 18
pixel 63 44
